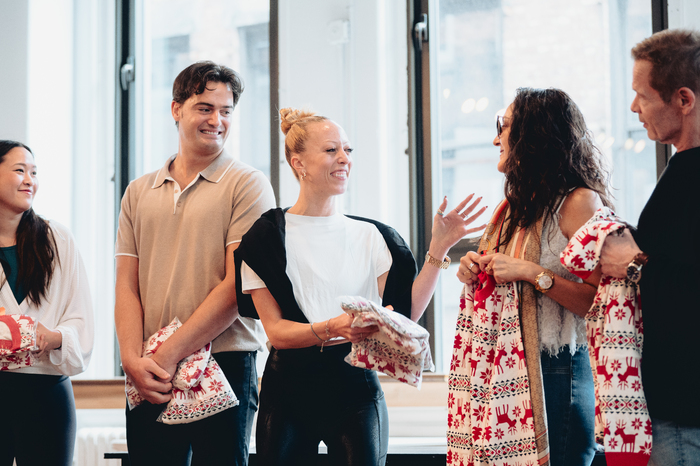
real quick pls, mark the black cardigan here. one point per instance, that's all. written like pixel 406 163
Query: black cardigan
pixel 262 248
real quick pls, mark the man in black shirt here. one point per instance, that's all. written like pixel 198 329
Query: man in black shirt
pixel 661 255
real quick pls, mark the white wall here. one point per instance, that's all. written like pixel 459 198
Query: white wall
pixel 14 45
pixel 684 14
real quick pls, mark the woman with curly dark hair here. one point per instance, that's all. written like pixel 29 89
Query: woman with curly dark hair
pixel 555 181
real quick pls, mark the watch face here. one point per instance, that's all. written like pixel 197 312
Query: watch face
pixel 634 273
pixel 545 282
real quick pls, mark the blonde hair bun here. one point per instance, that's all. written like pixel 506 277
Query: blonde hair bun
pixel 289 116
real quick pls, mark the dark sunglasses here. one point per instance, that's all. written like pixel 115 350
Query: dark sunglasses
pixel 500 124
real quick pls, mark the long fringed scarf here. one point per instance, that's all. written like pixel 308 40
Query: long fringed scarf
pixel 615 339
pixel 496 410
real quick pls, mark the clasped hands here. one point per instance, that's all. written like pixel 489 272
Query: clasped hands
pixel 503 268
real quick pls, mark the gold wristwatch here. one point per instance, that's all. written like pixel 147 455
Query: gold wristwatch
pixel 434 262
pixel 544 281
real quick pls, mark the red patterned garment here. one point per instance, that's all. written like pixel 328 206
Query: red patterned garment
pixel 615 339
pixel 400 349
pixel 200 388
pixel 17 341
pixel 490 419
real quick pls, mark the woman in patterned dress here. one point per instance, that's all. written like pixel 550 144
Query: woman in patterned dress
pixel 554 173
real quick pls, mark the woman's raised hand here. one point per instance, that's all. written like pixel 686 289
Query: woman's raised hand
pixel 450 227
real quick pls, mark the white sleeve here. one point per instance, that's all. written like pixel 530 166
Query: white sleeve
pixel 382 258
pixel 73 305
pixel 250 279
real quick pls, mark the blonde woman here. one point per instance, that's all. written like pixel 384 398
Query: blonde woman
pixel 294 264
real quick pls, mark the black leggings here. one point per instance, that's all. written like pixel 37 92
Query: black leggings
pixel 307 397
pixel 39 420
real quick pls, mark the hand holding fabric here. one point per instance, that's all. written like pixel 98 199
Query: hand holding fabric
pixel 507 269
pixel 47 340
pixel 469 269
pixel 617 253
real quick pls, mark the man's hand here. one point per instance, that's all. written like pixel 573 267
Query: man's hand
pixel 617 253
pixel 150 380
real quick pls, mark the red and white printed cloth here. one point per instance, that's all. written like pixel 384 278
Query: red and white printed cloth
pixel 615 339
pixel 489 419
pixel 17 341
pixel 400 349
pixel 200 388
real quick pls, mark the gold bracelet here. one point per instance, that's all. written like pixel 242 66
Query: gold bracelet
pixel 436 263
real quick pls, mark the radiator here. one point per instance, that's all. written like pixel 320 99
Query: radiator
pixel 93 442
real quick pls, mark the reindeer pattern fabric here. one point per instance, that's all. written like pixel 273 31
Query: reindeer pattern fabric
pixel 200 388
pixel 490 419
pixel 400 349
pixel 615 339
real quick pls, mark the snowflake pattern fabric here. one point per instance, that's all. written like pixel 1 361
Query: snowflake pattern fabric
pixel 490 418
pixel 200 388
pixel 17 341
pixel 400 349
pixel 615 338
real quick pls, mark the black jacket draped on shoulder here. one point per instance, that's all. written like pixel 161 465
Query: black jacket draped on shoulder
pixel 262 248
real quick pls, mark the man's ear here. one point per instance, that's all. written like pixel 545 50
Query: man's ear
pixel 687 99
pixel 175 110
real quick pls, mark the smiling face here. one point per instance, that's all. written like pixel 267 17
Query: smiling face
pixel 204 120
pixel 326 159
pixel 501 140
pixel 662 121
pixel 18 183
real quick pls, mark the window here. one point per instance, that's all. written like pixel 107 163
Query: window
pixel 486 50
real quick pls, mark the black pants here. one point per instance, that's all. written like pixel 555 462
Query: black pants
pixel 307 397
pixel 221 439
pixel 38 420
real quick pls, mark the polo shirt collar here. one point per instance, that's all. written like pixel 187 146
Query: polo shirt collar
pixel 213 173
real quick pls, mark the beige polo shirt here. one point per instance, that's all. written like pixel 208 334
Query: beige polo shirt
pixel 180 238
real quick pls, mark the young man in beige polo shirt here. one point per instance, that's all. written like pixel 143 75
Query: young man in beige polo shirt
pixel 178 229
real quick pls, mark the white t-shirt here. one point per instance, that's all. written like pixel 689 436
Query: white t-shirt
pixel 328 257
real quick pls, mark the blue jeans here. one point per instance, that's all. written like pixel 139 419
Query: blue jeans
pixel 570 404
pixel 221 439
pixel 674 444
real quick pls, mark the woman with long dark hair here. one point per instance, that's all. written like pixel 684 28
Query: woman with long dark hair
pixel 554 183
pixel 42 277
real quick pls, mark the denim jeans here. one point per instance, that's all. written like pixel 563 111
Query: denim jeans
pixel 570 404
pixel 221 439
pixel 673 444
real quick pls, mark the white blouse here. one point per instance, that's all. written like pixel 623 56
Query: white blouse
pixel 329 257
pixel 67 307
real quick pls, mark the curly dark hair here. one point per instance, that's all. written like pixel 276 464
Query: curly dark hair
pixel 36 246
pixel 551 153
